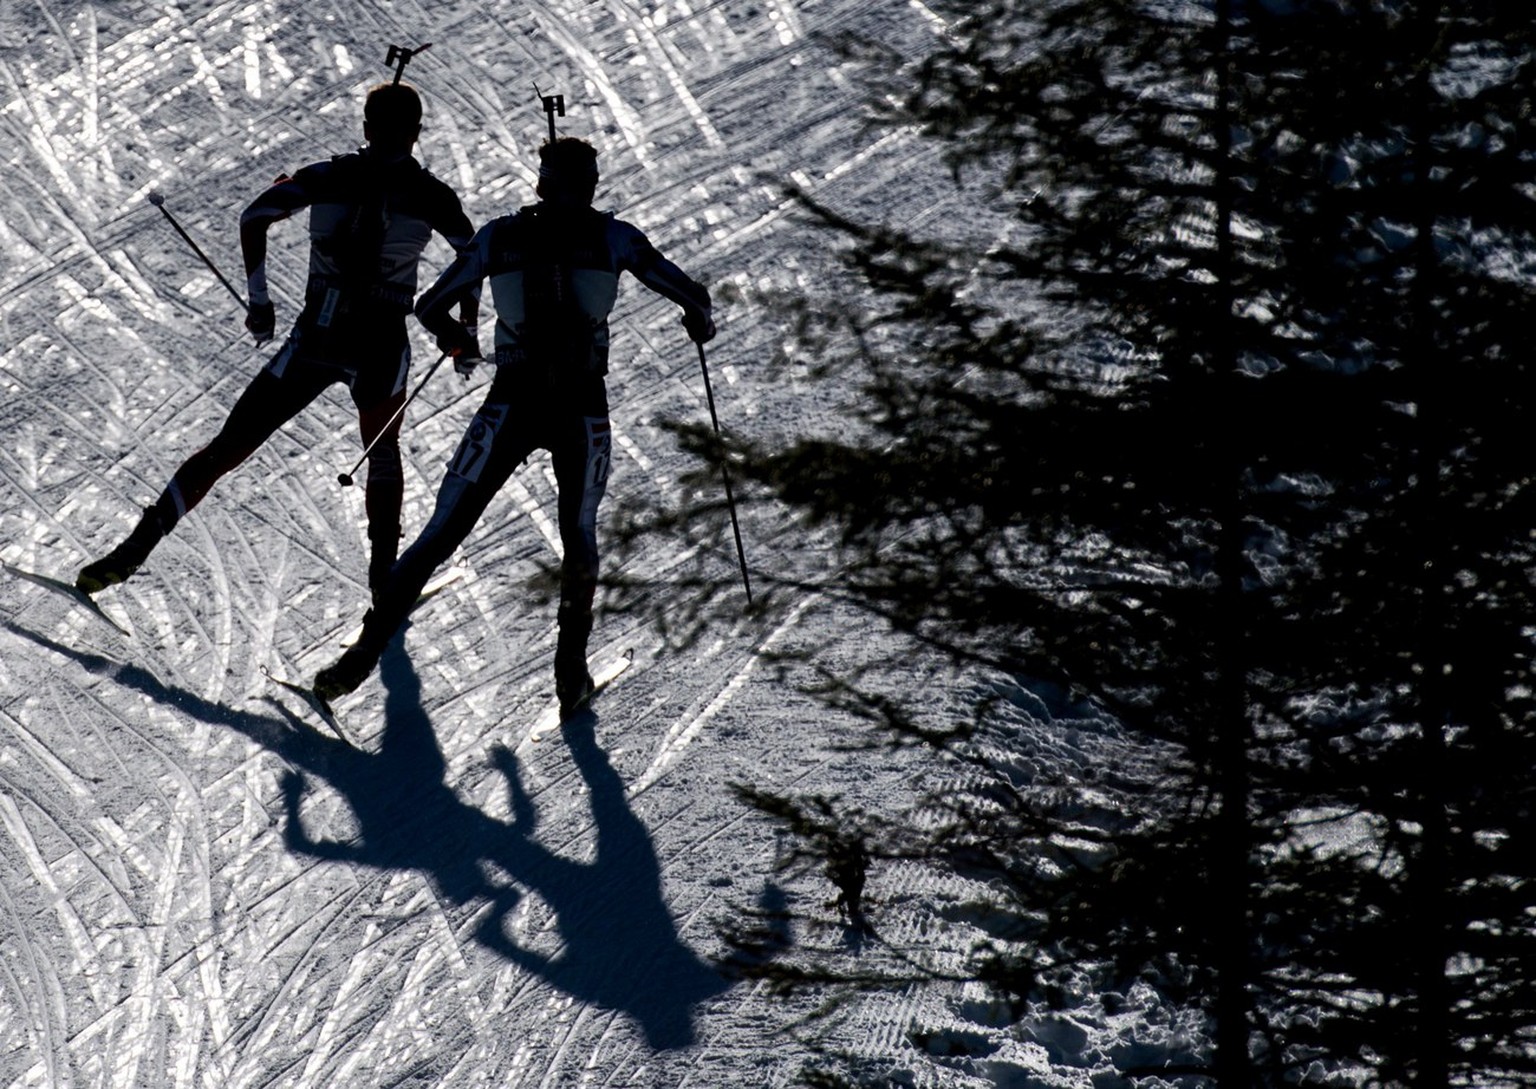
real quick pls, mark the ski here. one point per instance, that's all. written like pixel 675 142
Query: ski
pixel 602 679
pixel 428 592
pixel 65 589
pixel 320 707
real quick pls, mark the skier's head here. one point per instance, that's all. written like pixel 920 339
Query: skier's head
pixel 567 171
pixel 392 116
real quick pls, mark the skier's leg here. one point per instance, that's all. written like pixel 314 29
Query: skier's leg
pixel 384 490
pixel 488 453
pixel 492 447
pixel 581 461
pixel 277 394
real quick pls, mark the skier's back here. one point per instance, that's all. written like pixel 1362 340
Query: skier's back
pixel 371 214
pixel 554 273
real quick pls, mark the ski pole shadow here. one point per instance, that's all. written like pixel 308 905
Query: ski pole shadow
pixel 618 945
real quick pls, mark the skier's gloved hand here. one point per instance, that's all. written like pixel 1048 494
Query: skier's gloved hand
pixel 464 363
pixel 700 326
pixel 261 320
pixel 463 344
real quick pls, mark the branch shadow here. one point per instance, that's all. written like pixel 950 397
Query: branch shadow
pixel 620 948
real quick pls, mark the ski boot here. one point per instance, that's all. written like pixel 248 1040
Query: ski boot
pixel 350 670
pixel 573 684
pixel 120 564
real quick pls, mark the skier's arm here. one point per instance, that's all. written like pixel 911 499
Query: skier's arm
pixel 459 283
pixel 297 839
pixel 459 232
pixel 279 201
pixel 636 253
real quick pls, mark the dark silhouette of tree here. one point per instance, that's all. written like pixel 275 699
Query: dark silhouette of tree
pixel 1422 661
pixel 1211 410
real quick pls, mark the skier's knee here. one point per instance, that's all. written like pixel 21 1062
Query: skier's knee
pixel 384 460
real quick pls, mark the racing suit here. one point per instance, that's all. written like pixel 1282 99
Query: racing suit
pixel 554 273
pixel 370 217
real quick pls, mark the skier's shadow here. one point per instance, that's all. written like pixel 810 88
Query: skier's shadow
pixel 619 948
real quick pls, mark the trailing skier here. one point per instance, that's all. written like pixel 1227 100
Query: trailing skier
pixel 372 213
pixel 554 274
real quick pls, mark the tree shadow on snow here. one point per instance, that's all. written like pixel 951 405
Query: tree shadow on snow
pixel 619 947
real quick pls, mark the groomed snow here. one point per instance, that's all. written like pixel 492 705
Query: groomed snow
pixel 202 886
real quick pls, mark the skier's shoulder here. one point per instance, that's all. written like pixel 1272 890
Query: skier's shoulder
pixel 397 172
pixel 604 240
pixel 497 238
pixel 346 163
pixel 287 193
pixel 543 219
pixel 512 224
pixel 307 176
pixel 431 184
pixel 589 237
pixel 439 205
pixel 561 213
pixel 627 242
pixel 615 227
pixel 589 227
pixel 329 177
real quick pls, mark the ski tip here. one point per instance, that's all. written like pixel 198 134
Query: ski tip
pixel 320 706
pixel 67 589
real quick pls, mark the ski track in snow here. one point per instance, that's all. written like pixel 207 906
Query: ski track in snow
pixel 200 885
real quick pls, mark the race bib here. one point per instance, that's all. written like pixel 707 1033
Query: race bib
pixel 474 450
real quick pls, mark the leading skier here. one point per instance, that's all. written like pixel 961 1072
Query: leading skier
pixel 554 274
pixel 372 212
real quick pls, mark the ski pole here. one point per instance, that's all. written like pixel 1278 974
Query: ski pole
pixel 725 475
pixel 345 479
pixel 158 201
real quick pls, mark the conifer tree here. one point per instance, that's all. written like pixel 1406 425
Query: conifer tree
pixel 1226 437
pixel 1413 666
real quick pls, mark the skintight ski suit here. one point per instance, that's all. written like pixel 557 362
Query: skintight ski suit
pixel 371 215
pixel 554 271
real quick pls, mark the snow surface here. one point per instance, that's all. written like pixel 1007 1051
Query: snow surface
pixel 202 886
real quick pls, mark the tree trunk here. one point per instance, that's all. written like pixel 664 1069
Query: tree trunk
pixel 1432 949
pixel 1233 835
